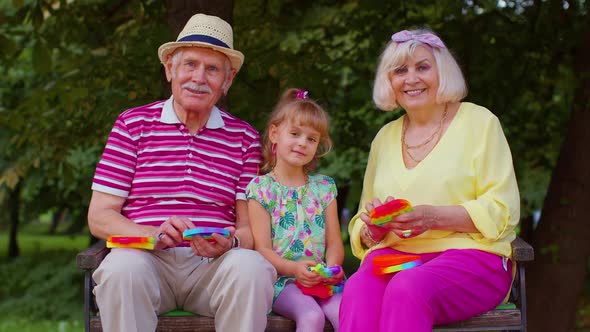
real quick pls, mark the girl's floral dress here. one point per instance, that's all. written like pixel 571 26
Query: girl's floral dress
pixel 297 217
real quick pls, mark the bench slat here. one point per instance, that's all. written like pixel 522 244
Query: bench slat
pixel 90 258
pixel 207 324
pixel 503 319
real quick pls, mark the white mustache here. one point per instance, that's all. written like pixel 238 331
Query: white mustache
pixel 196 87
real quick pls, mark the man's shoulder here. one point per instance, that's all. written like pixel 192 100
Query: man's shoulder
pixel 147 110
pixel 232 121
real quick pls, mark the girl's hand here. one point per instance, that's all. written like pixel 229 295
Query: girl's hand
pixel 304 276
pixel 334 280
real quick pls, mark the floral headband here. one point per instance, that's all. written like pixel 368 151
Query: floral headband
pixel 425 38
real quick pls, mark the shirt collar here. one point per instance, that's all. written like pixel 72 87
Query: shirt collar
pixel 169 116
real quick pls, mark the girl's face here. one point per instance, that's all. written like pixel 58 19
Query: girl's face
pixel 415 83
pixel 296 145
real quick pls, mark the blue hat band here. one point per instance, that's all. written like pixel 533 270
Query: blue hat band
pixel 203 38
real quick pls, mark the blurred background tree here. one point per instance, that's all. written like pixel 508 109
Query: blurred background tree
pixel 70 67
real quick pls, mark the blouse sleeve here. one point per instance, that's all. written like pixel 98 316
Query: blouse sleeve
pixel 328 191
pixel 496 209
pixel 257 190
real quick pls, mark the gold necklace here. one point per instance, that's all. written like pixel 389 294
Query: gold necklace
pixel 437 133
pixel 412 157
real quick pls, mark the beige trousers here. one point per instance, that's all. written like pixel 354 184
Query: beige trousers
pixel 135 286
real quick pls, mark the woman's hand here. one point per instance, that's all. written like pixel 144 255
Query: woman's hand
pixel 304 276
pixel 413 223
pixel 375 233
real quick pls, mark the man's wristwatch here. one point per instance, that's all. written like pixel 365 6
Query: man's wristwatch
pixel 236 243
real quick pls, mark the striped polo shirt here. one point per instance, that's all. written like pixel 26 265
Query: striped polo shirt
pixel 162 170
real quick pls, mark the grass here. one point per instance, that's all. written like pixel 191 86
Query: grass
pixel 8 324
pixel 36 243
pixel 32 286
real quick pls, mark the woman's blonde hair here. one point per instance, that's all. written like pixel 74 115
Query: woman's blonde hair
pixel 452 86
pixel 296 108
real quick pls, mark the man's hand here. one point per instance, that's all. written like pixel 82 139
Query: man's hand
pixel 213 249
pixel 169 234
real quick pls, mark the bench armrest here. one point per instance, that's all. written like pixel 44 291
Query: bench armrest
pixel 522 251
pixel 90 258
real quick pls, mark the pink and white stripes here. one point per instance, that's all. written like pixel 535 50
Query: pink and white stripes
pixel 151 159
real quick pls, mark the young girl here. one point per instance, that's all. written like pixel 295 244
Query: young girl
pixel 293 214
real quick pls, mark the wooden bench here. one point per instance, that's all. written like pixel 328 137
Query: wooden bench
pixel 511 317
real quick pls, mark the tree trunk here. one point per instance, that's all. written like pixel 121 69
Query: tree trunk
pixel 56 218
pixel 562 239
pixel 14 206
pixel 179 11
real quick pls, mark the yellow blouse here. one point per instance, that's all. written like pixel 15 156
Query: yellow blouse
pixel 470 166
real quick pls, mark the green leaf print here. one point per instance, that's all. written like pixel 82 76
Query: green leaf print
pixel 272 205
pixel 297 246
pixel 306 228
pixel 319 220
pixel 288 255
pixel 287 220
pixel 291 206
pixel 281 283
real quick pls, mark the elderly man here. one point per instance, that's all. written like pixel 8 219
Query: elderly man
pixel 170 166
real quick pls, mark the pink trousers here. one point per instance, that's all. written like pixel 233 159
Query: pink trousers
pixel 450 286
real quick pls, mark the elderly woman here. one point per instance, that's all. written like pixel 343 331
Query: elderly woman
pixel 451 160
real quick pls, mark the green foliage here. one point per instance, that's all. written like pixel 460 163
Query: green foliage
pixel 515 61
pixel 34 241
pixel 42 290
pixel 41 287
pixel 23 325
pixel 78 65
pixel 69 67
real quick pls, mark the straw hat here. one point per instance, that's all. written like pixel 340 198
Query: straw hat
pixel 205 31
